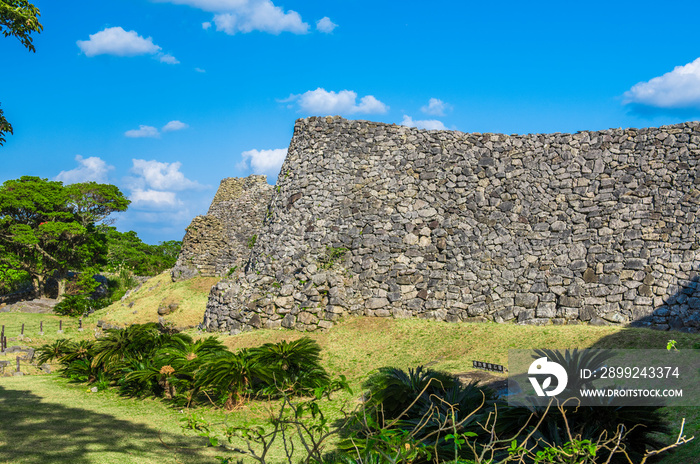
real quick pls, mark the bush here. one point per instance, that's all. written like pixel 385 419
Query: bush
pixel 80 305
pixel 409 416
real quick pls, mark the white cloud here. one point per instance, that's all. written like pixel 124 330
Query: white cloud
pixel 161 176
pixel 265 17
pixel 168 59
pixel 154 199
pixel 320 101
pixel 89 169
pixel 325 25
pixel 174 126
pixel 117 41
pixel 245 16
pixel 143 131
pixel 430 124
pixel 263 161
pixel 435 107
pixel 152 132
pixel 679 88
pixel 200 70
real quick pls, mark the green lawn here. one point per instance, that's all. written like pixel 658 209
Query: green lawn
pixel 43 419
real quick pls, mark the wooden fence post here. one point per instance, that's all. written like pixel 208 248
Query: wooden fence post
pixel 41 327
pixel 17 363
pixel 60 327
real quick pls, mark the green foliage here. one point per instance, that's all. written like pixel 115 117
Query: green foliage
pixel 20 19
pixel 416 415
pixel 230 376
pixel 331 256
pixel 292 367
pixel 252 240
pixel 80 305
pixel 54 351
pixel 12 279
pixel 294 424
pixel 44 234
pixel 395 391
pixel 127 251
pixel 92 203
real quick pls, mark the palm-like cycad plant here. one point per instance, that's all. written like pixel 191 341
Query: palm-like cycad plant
pixel 174 366
pixel 293 367
pixel 391 390
pixel 54 351
pixel 134 343
pixel 229 376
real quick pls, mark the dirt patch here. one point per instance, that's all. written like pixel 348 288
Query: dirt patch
pixel 370 323
pixel 493 381
pixel 202 284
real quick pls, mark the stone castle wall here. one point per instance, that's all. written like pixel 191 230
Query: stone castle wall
pixel 219 241
pixel 385 220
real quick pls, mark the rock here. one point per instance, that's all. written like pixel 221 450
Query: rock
pixel 526 300
pixel 597 225
pixel 375 303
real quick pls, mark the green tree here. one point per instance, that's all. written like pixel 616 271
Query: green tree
pixel 127 251
pixel 18 18
pixel 45 234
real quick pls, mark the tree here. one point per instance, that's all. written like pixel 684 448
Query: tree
pixel 127 251
pixel 44 233
pixel 18 18
pixel 92 202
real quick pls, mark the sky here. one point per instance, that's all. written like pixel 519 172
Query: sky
pixel 164 98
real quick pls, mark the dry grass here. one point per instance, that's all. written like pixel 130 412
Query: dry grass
pixel 142 306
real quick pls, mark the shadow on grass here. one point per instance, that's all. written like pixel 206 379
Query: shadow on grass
pixel 35 431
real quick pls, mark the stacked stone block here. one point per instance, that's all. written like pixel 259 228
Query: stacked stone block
pixel 593 227
pixel 218 242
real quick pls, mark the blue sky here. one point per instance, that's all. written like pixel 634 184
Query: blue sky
pixel 164 98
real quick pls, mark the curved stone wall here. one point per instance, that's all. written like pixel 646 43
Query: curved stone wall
pixel 218 242
pixel 386 220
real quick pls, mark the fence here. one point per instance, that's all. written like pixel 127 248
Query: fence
pixel 22 330
pixel 5 364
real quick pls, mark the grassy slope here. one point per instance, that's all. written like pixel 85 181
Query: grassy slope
pixel 353 348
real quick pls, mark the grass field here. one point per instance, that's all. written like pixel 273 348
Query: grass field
pixel 45 419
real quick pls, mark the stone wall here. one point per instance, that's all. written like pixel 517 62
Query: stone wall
pixel 218 242
pixel 592 227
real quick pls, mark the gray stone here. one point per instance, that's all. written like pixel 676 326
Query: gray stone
pixel 452 226
pixel 375 303
pixel 526 300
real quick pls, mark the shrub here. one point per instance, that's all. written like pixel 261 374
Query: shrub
pixel 80 305
pixel 409 416
pixel 293 367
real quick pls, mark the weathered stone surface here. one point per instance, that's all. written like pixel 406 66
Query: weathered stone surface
pixel 379 219
pixel 220 241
